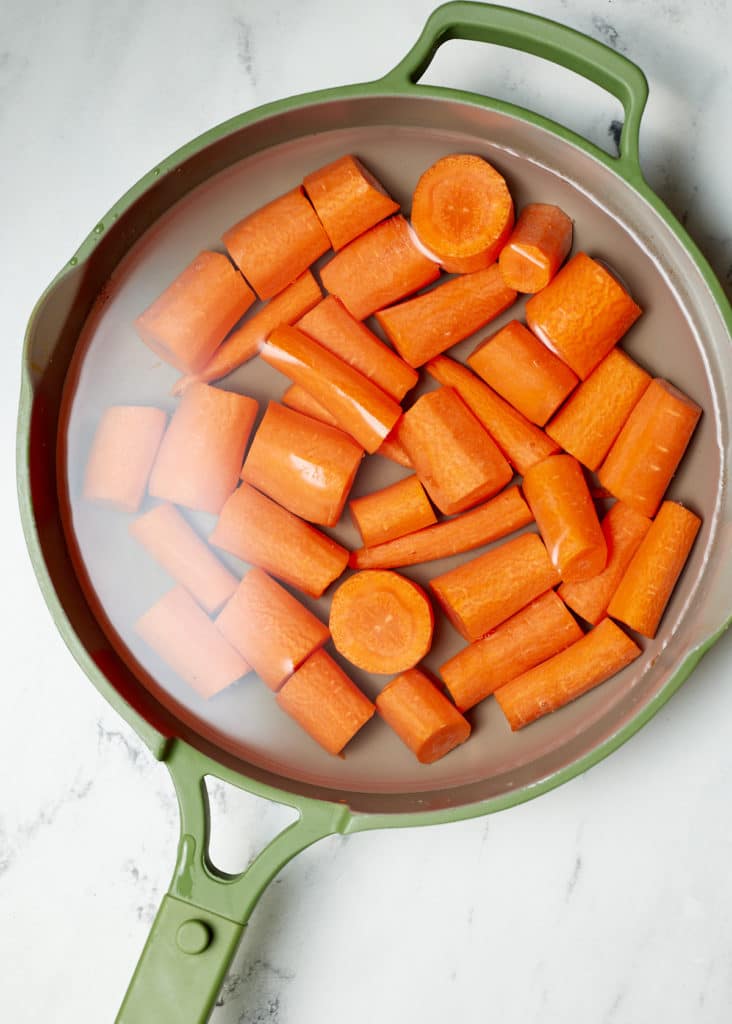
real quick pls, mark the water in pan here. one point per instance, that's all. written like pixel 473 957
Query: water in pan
pixel 117 368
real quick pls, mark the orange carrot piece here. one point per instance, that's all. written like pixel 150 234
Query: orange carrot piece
pixel 644 591
pixel 521 442
pixel 378 268
pixel 361 408
pixel 537 632
pixel 623 529
pixel 297 398
pixel 453 456
pixel 421 716
pixel 277 243
pixel 348 199
pixel 325 702
pixel 392 448
pixel 559 498
pixel 462 212
pixel 270 628
pixel 516 365
pixel 581 314
pixel 176 546
pixel 200 457
pixel 245 342
pixel 381 621
pixel 480 594
pixel 186 324
pixel 537 248
pixel 125 444
pixel 304 465
pixel 421 328
pixel 330 324
pixel 401 508
pixel 495 519
pixel 601 653
pixel 186 639
pixel 649 448
pixel 259 531
pixel 593 416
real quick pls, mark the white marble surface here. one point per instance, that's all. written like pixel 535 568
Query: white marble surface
pixel 609 900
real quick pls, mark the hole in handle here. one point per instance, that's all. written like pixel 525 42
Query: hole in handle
pixel 241 825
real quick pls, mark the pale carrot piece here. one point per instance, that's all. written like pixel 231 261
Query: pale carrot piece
pixel 523 371
pixel 270 628
pixel 176 546
pixel 304 465
pixel 495 519
pixel 297 398
pixel 330 324
pixel 537 248
pixel 186 324
pixel 348 199
pixel 200 457
pixel 277 243
pixel 261 532
pixel 378 268
pixel 480 594
pixel 362 409
pixel 325 702
pixel 401 508
pixel 591 419
pixel 649 448
pixel 646 587
pixel 559 498
pixel 421 328
pixel 381 621
pixel 601 653
pixel 521 442
pixel 392 448
pixel 184 637
pixel 537 632
pixel 453 455
pixel 623 529
pixel 421 716
pixel 125 444
pixel 462 212
pixel 581 314
pixel 244 343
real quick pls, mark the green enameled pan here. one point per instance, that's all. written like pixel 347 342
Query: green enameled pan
pixel 81 354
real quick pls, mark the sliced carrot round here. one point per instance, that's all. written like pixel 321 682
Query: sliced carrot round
pixel 381 621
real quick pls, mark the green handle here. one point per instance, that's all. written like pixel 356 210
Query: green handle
pixel 505 26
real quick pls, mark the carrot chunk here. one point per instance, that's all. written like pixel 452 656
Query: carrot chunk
pixel 270 628
pixel 593 416
pixel 186 639
pixel 176 546
pixel 122 454
pixel 537 632
pixel 537 248
pixel 381 621
pixel 646 587
pixel 648 449
pixel 559 498
pixel 581 314
pixel 378 268
pixel 600 653
pixel 297 398
pixel 462 212
pixel 304 465
pixel 325 702
pixel 401 508
pixel 257 530
pixel 480 594
pixel 186 324
pixel 623 529
pixel 348 199
pixel 392 448
pixel 453 456
pixel 516 365
pixel 421 716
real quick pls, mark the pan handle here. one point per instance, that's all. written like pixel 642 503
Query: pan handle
pixel 197 929
pixel 519 30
